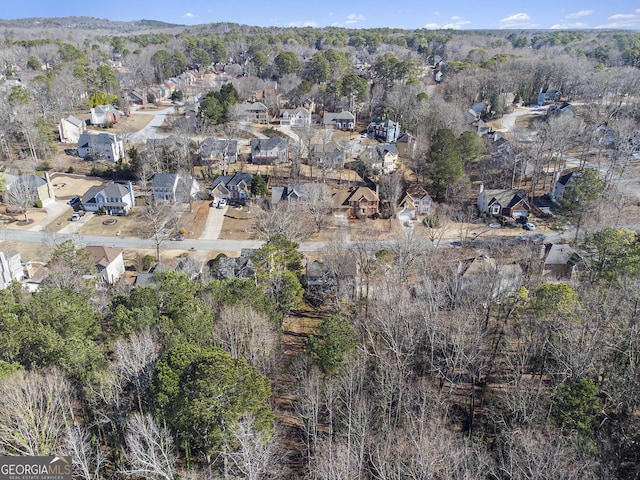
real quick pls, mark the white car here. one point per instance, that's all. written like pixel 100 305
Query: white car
pixel 529 226
pixel 222 203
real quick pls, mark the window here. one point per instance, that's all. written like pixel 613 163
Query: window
pixel 495 209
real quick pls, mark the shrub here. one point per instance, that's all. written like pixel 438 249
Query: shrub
pixel 38 203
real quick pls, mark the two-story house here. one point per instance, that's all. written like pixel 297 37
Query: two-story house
pixel 360 202
pixel 174 187
pixel 269 151
pixel 104 115
pixel 380 158
pixel 70 129
pixel 10 269
pixel 255 112
pixel 213 150
pixel 103 146
pixel 233 188
pixel 114 198
pixel 29 186
pixel 385 130
pixel 109 263
pixel 297 117
pixel 341 120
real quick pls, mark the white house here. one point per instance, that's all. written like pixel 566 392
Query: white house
pixel 10 269
pixel 103 146
pixel 174 187
pixel 560 183
pixel 295 117
pixel 109 263
pixel 70 129
pixel 116 199
pixel 104 115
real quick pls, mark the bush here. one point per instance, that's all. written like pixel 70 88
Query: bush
pixel 70 169
pixel 43 167
pixel 147 262
pixel 38 203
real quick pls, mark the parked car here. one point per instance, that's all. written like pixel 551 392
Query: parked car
pixel 75 217
pixel 529 226
pixel 177 238
pixel 74 200
pixel 222 203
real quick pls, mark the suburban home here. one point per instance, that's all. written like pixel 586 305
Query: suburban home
pixel 114 198
pixel 70 129
pixel 255 112
pixel 548 95
pixel 101 146
pixel 295 117
pixel 213 150
pixel 559 261
pixel 327 155
pixel 232 188
pixel 269 151
pixel 385 130
pixel 416 201
pixel 358 202
pixel 290 194
pixel 10 269
pixel 380 158
pixel 474 114
pixel 104 115
pixel 341 120
pixel 136 97
pixel 482 277
pixel 564 109
pixel 319 279
pixel 108 261
pixel 406 145
pixel 174 187
pixel 509 203
pixel 29 186
pixel 241 267
pixel 561 181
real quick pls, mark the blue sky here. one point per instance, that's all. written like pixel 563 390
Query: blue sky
pixel 407 14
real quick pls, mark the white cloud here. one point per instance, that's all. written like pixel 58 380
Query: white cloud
pixel 189 15
pixel 568 26
pixel 455 24
pixel 437 14
pixel 353 18
pixel 580 14
pixel 306 23
pixel 518 20
pixel 623 20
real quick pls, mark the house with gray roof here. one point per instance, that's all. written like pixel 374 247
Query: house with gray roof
pixel 29 185
pixel 174 187
pixel 509 203
pixel 101 146
pixel 70 129
pixel 114 198
pixel 295 117
pixel 233 188
pixel 384 130
pixel 269 151
pixel 343 120
pixel 213 150
pixel 104 115
pixel 380 158
pixel 255 112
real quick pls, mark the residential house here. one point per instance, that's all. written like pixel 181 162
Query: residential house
pixel 190 266
pixel 104 115
pixel 114 198
pixel 34 187
pixel 564 109
pixel 174 187
pixel 475 112
pixel 384 130
pixel 213 150
pixel 292 193
pixel 255 112
pixel 328 155
pixel 234 188
pixel 341 120
pixel 342 280
pixel 482 277
pixel 380 158
pixel 559 261
pixel 358 202
pixel 70 129
pixel 108 261
pixel 509 203
pixel 416 201
pixel 406 145
pixel 136 97
pixel 561 181
pixel 101 146
pixel 10 269
pixel 297 117
pixel 547 96
pixel 269 151
pixel 241 267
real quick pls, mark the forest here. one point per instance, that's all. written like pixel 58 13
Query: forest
pixel 409 369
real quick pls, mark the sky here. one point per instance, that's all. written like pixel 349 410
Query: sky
pixel 405 14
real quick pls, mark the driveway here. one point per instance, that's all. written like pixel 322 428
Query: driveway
pixel 151 129
pixel 213 225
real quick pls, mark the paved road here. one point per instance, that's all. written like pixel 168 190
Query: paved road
pixel 151 129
